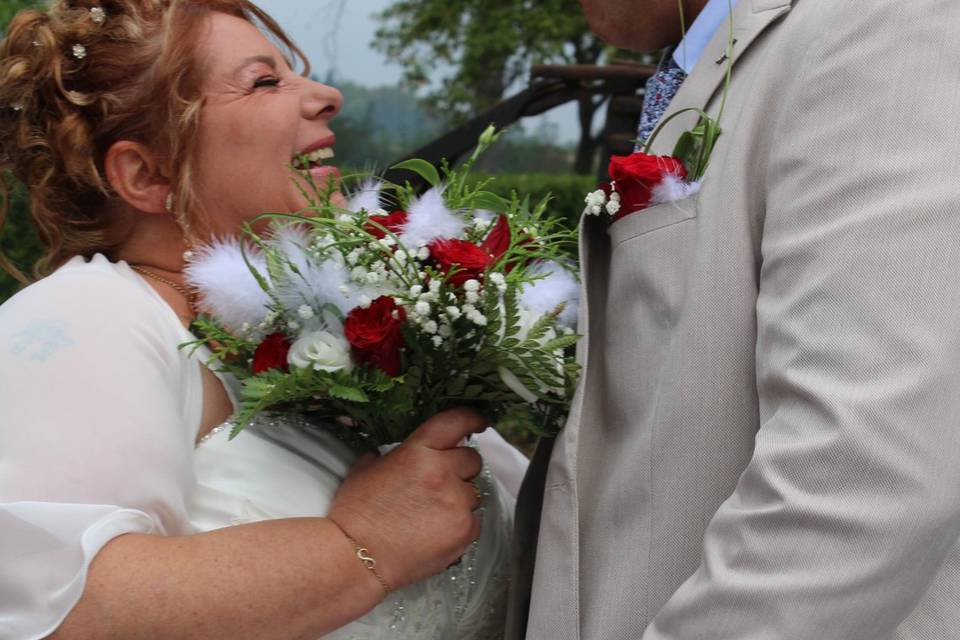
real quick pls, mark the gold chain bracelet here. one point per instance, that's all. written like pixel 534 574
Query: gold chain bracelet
pixel 369 563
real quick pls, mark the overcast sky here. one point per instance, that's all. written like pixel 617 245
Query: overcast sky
pixel 344 46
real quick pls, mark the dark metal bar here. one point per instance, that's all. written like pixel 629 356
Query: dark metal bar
pixel 551 86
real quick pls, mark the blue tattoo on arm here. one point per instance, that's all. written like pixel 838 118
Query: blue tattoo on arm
pixel 40 339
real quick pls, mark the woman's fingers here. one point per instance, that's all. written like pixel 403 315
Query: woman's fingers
pixel 448 429
pixel 465 462
pixel 416 505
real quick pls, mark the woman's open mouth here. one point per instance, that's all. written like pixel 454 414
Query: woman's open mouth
pixel 307 161
pixel 312 164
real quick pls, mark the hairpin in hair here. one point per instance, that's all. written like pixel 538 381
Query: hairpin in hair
pixel 36 43
pixel 79 51
pixel 17 107
pixel 98 15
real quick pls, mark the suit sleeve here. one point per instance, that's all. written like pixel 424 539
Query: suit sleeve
pixel 850 505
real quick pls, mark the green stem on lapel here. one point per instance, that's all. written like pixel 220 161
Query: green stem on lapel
pixel 705 135
pixel 667 120
pixel 729 72
pixel 695 147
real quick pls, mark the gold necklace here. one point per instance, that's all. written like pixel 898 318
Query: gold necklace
pixel 186 292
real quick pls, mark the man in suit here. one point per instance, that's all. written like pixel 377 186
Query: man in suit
pixel 765 444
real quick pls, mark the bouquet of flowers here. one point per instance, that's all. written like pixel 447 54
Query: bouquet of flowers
pixel 376 320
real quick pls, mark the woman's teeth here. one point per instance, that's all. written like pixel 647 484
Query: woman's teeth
pixel 304 160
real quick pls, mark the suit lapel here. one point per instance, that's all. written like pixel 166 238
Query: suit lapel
pixel 750 19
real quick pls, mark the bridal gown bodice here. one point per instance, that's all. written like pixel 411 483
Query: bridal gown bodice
pixel 100 408
pixel 282 467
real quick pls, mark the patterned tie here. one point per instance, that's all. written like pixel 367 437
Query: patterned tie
pixel 661 87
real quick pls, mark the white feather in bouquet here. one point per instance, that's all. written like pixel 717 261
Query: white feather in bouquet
pixel 310 282
pixel 366 197
pixel 227 288
pixel 429 219
pixel 484 215
pixel 556 286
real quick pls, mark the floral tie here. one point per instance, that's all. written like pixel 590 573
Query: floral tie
pixel 661 87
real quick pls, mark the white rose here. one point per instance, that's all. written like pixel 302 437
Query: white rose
pixel 320 350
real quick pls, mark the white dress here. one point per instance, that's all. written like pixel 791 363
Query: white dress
pixel 99 411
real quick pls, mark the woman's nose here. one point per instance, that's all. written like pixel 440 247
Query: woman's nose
pixel 321 101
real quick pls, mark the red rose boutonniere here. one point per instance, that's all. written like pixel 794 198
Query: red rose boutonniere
pixel 642 179
pixel 639 181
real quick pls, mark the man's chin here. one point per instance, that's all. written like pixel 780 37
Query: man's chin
pixel 657 29
pixel 639 42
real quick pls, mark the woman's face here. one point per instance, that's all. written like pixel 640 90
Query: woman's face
pixel 258 119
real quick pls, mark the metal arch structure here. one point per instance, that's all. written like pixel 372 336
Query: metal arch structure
pixel 551 86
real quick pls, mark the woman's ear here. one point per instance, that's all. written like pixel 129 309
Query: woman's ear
pixel 136 176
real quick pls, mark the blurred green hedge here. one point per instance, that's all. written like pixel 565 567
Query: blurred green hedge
pixel 18 241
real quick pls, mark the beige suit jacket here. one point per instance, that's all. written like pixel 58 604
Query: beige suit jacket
pixel 766 440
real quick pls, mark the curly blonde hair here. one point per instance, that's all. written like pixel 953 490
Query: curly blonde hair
pixel 84 74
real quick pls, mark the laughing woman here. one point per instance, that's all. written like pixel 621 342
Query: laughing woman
pixel 142 127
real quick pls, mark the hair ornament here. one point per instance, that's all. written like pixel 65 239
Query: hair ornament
pixel 79 51
pixel 98 15
pixel 17 107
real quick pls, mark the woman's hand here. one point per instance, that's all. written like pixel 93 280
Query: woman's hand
pixel 413 508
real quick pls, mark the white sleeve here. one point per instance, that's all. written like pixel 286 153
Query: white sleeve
pixel 94 439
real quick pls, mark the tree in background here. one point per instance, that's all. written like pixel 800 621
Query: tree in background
pixel 379 125
pixel 9 8
pixel 482 47
pixel 17 241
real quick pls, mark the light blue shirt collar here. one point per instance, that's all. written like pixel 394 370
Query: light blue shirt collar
pixel 701 32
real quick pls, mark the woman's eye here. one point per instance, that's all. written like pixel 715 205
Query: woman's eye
pixel 266 81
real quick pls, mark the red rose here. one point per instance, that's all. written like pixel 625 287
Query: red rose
pixel 498 240
pixel 472 260
pixel 393 223
pixel 469 259
pixel 375 334
pixel 271 353
pixel 635 176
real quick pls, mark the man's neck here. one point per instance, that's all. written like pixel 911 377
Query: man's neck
pixel 692 9
pixel 711 15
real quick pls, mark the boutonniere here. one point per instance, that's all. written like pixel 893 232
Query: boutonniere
pixel 642 179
